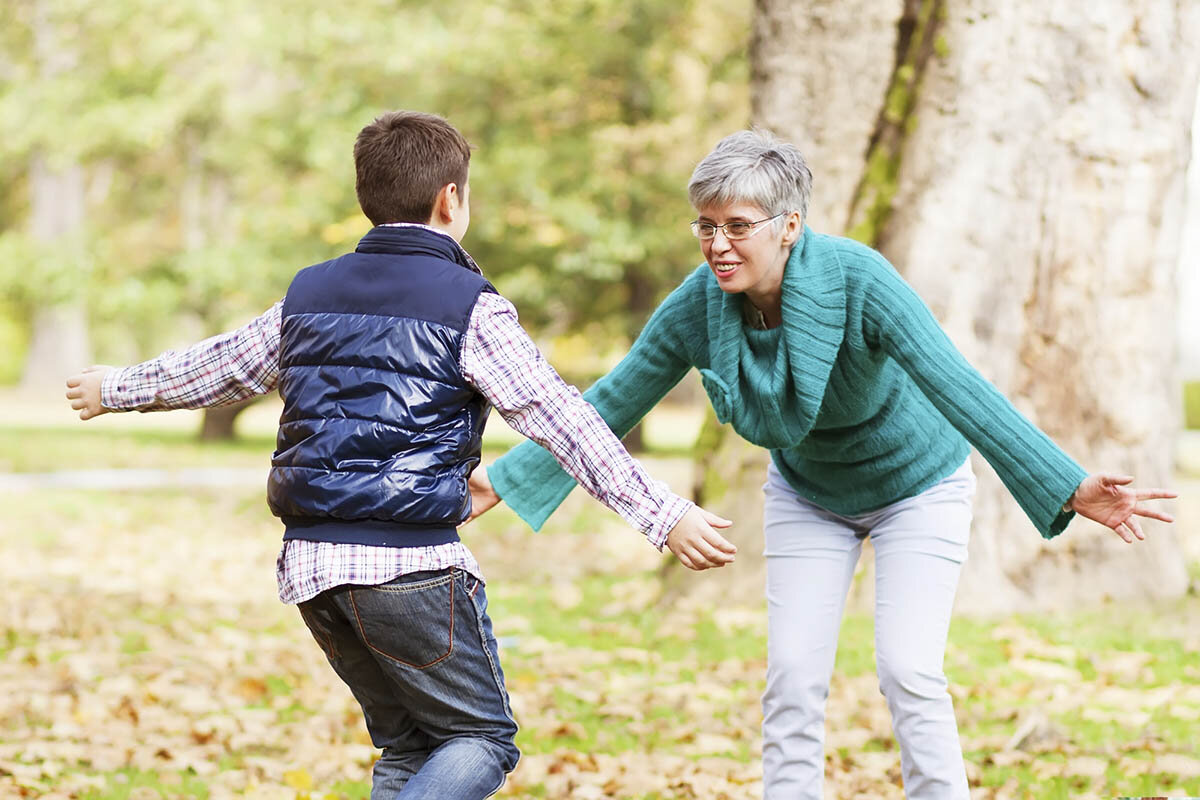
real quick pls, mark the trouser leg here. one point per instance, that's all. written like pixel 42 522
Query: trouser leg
pixel 811 556
pixel 920 545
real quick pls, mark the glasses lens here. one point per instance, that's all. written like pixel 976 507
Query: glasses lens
pixel 738 230
pixel 703 230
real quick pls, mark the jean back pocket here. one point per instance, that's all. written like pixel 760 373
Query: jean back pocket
pixel 409 622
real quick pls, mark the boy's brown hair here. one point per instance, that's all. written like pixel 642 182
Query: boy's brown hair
pixel 402 160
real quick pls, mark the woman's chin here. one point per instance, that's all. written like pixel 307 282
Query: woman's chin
pixel 728 281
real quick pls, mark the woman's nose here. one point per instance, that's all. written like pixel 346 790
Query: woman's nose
pixel 720 241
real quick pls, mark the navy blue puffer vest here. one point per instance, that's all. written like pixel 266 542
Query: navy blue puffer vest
pixel 379 429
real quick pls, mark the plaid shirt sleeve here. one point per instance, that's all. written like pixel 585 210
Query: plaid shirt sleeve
pixel 500 360
pixel 215 372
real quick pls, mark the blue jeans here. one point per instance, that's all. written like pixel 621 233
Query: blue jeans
pixel 419 655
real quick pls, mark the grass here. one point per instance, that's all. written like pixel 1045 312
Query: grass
pixel 1191 405
pixel 143 655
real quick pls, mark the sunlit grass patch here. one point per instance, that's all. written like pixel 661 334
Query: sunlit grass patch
pixel 47 449
pixel 134 784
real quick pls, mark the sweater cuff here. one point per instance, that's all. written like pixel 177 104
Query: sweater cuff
pixel 530 482
pixel 1063 514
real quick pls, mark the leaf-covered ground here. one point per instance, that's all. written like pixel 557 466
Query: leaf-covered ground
pixel 144 655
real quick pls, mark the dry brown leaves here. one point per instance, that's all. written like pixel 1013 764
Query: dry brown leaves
pixel 142 632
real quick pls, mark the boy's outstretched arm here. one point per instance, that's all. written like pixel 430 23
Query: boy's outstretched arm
pixel 500 360
pixel 215 372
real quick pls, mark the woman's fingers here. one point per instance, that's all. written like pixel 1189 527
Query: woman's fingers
pixel 1155 494
pixel 1129 530
pixel 1112 479
pixel 1135 527
pixel 1161 516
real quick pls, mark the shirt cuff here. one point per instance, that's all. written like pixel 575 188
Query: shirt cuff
pixel 668 517
pixel 111 389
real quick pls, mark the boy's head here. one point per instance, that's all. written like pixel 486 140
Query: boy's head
pixel 412 167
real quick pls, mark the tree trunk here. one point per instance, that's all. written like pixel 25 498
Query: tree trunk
pixel 58 343
pixel 1189 272
pixel 218 423
pixel 728 476
pixel 203 206
pixel 1022 165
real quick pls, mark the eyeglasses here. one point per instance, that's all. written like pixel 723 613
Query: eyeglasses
pixel 733 230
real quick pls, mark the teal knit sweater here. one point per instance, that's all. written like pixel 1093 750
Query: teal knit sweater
pixel 859 395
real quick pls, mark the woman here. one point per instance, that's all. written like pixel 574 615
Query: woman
pixel 814 347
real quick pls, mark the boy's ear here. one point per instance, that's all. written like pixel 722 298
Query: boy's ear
pixel 447 203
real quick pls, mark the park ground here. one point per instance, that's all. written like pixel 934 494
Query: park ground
pixel 144 654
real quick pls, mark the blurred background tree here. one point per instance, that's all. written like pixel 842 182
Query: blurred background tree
pixel 169 169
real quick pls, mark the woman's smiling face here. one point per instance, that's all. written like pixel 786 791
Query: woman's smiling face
pixel 754 264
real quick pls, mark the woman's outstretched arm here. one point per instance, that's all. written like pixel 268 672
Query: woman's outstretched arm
pixel 529 479
pixel 1047 483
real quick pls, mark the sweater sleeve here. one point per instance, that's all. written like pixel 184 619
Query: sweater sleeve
pixel 1038 474
pixel 528 478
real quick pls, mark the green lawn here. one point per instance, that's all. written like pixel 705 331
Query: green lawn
pixel 144 654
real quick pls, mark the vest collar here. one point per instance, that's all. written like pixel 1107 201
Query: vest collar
pixel 410 239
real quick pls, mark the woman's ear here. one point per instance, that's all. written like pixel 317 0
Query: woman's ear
pixel 793 227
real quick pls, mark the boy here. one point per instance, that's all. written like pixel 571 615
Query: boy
pixel 387 359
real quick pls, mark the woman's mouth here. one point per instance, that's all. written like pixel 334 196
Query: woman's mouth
pixel 725 268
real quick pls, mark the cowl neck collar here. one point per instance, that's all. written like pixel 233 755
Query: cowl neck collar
pixel 773 396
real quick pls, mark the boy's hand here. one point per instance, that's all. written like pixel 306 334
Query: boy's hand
pixel 83 390
pixel 483 496
pixel 696 544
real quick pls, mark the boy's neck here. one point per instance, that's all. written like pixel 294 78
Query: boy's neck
pixel 430 224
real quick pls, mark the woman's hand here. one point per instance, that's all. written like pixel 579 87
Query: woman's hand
pixel 696 544
pixel 1109 500
pixel 483 496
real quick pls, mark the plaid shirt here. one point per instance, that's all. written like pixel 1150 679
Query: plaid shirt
pixel 498 358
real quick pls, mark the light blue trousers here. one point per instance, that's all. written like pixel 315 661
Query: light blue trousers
pixel 920 545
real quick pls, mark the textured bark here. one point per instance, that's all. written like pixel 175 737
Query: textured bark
pixel 1037 208
pixel 819 71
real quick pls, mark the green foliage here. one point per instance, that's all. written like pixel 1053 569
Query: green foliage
pixel 1191 405
pixel 216 138
pixel 14 338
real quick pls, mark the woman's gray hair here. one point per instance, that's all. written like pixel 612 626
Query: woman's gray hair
pixel 752 167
